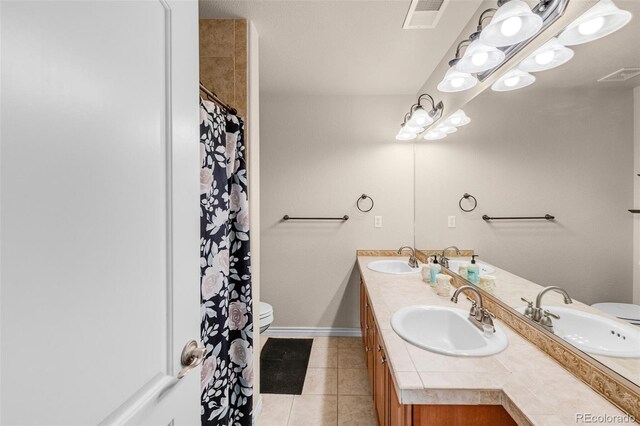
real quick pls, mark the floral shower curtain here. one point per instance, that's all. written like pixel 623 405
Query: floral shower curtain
pixel 225 283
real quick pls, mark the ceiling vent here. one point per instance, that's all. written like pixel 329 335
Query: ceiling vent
pixel 424 14
pixel 622 74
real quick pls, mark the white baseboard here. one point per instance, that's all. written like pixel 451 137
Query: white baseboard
pixel 256 411
pixel 312 332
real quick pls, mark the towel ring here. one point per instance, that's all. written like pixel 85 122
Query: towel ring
pixel 364 197
pixel 466 197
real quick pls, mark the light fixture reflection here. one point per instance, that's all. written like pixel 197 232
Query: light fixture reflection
pixel 420 118
pixel 456 81
pixel 512 23
pixel 458 119
pixel 601 20
pixel 552 54
pixel 513 80
pixel 435 135
pixel 444 128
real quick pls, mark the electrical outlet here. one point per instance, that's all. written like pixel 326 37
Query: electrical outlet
pixel 452 221
pixel 377 222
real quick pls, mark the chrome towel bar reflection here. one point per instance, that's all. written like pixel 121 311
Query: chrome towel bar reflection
pixel 343 218
pixel 545 217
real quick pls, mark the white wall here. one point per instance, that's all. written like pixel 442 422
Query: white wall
pixel 531 153
pixel 318 154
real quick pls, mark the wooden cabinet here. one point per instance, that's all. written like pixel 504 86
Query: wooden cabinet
pixel 399 415
pixel 390 411
pixel 380 382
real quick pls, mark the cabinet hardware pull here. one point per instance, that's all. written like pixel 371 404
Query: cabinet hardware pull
pixel 379 348
pixel 382 360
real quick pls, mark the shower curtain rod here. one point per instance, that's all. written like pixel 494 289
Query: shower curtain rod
pixel 215 98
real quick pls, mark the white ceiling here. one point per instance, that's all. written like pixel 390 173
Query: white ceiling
pixel 343 46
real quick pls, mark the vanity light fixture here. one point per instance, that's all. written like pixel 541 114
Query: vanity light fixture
pixel 601 20
pixel 513 80
pixel 417 119
pixel 513 22
pixel 455 80
pixel 550 55
pixel 406 132
pixel 480 57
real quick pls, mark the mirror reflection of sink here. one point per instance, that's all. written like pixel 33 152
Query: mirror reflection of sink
pixel 396 267
pixel 595 334
pixel 445 331
pixel 484 268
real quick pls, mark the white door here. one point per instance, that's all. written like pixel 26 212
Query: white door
pixel 99 184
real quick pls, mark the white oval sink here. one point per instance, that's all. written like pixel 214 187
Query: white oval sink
pixel 484 268
pixel 397 267
pixel 445 331
pixel 595 334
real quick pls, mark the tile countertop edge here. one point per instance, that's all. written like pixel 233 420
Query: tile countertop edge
pixel 501 379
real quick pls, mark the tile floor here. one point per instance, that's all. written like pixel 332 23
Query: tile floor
pixel 336 389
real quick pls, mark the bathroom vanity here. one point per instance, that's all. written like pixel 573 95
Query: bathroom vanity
pixel 412 386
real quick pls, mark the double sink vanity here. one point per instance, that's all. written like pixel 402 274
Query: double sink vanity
pixel 431 361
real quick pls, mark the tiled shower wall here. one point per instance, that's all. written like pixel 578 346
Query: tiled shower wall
pixel 223 60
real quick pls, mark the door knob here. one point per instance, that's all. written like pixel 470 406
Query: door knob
pixel 192 356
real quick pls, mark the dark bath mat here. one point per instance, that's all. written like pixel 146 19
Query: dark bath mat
pixel 283 365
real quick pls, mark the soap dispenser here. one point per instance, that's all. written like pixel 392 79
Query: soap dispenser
pixel 473 271
pixel 435 270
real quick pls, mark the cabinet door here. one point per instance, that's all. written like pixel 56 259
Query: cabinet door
pixel 399 415
pixel 363 314
pixel 380 383
pixel 370 345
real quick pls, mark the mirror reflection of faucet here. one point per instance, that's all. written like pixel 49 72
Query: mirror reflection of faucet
pixel 544 316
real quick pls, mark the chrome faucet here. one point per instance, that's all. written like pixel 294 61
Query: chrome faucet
pixel 413 262
pixel 444 260
pixel 543 316
pixel 478 314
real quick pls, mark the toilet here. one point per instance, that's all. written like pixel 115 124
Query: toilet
pixel 266 316
pixel 624 311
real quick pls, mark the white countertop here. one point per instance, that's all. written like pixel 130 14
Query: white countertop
pixel 527 382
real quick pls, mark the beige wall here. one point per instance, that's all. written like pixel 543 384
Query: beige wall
pixel 531 153
pixel 318 154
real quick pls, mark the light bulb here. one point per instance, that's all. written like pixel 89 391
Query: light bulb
pixel 550 55
pixel 446 129
pixel 435 135
pixel 545 58
pixel 512 23
pixel 420 118
pixel 511 81
pixel 480 58
pixel 457 82
pixel 592 26
pixel 457 119
pixel 511 26
pixel 602 19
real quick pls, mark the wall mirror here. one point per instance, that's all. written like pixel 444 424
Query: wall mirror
pixel 562 146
